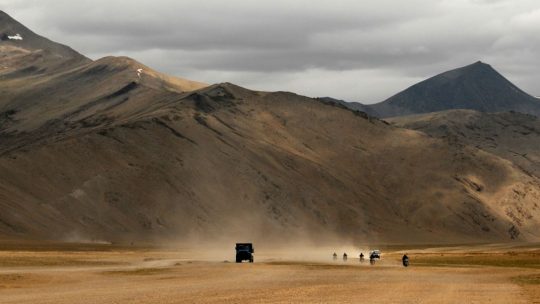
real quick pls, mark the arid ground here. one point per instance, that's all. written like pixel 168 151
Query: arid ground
pixel 110 151
pixel 52 273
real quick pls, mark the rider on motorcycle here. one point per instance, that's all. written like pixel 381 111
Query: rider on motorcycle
pixel 405 260
pixel 372 259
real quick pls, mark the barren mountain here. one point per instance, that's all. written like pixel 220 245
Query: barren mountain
pixel 475 87
pixel 24 52
pixel 111 150
pixel 510 135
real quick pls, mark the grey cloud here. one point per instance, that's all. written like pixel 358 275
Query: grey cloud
pixel 263 44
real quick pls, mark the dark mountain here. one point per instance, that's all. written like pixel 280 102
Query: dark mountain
pixel 476 87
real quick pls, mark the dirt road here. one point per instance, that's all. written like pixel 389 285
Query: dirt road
pixel 168 277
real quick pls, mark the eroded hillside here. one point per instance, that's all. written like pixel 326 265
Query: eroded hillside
pixel 112 150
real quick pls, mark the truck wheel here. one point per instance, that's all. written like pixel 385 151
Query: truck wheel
pixel 251 260
pixel 238 261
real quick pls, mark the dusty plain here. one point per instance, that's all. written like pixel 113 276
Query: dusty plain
pixel 101 273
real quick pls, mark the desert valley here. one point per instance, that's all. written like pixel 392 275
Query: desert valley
pixel 122 184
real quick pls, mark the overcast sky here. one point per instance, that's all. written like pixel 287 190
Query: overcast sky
pixel 357 50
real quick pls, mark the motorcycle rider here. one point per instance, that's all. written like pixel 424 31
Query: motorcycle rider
pixel 361 257
pixel 405 260
pixel 344 257
pixel 335 256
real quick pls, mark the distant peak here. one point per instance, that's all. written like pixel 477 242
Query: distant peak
pixel 472 69
pixel 12 32
pixel 480 64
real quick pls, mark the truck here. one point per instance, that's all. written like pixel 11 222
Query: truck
pixel 244 252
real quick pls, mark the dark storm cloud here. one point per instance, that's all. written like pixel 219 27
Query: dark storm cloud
pixel 357 50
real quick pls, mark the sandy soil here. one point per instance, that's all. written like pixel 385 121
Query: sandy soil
pixel 173 276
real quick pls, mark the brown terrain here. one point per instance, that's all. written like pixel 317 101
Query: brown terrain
pixel 119 184
pixel 59 273
pixel 104 151
pixel 510 135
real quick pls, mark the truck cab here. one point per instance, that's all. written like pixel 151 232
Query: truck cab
pixel 244 252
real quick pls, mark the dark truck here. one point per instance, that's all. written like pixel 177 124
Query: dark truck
pixel 244 252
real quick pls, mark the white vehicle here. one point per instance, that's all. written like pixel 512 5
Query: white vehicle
pixel 375 254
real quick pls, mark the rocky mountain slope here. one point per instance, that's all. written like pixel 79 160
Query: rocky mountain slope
pixel 111 150
pixel 24 52
pixel 510 135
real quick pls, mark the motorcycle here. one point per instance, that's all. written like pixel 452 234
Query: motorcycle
pixel 405 262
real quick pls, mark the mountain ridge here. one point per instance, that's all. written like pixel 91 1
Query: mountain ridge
pixel 112 150
pixel 510 135
pixel 39 50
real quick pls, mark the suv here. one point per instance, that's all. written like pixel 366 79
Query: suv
pixel 244 252
pixel 376 254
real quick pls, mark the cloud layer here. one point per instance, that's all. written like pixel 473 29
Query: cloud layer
pixel 355 50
